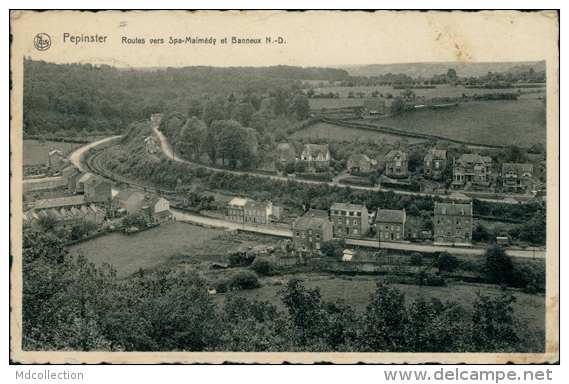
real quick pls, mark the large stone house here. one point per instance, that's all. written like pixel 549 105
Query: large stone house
pixel 374 107
pixel 453 223
pixel 349 219
pixel 396 163
pixel 156 209
pixel 517 176
pixel 390 224
pixel 285 153
pixel 309 232
pixel 358 163
pixel 128 202
pixel 471 168
pixel 434 163
pixel 315 156
pixel 98 190
pixel 252 212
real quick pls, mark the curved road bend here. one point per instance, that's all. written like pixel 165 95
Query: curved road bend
pixel 76 156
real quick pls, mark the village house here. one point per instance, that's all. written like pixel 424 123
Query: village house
pixel 349 219
pixel 414 229
pixel 65 218
pixel 156 209
pixel 156 118
pixel 517 176
pixel 309 232
pixel 126 202
pixel 81 180
pixel 358 163
pixel 471 168
pixel 150 144
pixel 98 190
pixel 316 156
pixel 453 223
pixel 285 153
pixel 374 107
pixel 390 224
pixel 252 212
pixel 396 163
pixel 434 163
pixel 56 160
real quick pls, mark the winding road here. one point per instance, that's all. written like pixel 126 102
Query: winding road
pixel 77 157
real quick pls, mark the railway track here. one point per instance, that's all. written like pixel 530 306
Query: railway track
pixel 93 163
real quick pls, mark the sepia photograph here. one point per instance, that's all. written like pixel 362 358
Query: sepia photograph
pixel 254 187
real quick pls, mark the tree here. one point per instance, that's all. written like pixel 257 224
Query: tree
pixel 480 233
pixel 498 266
pixel 263 266
pixel 398 106
pixel 136 220
pixel 415 160
pixel 446 262
pixel 245 280
pixel 493 325
pixel 416 259
pixel 385 320
pixel 192 136
pixel 243 113
pixel 83 229
pixel 299 106
pixel 408 94
pixel 47 223
pixel 234 143
pixel 333 248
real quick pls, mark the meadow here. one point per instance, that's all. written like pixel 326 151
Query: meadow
pixel 520 122
pixel 36 153
pixel 529 310
pixel 148 249
pixel 339 133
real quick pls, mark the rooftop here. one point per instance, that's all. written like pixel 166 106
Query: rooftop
pixel 390 216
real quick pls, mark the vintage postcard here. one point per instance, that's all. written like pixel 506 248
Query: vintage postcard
pixel 272 186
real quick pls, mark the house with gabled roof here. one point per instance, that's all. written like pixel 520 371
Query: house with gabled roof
pixel 310 232
pixel 285 153
pixel 374 106
pixel 471 168
pixel 156 208
pixel 252 212
pixel 360 163
pixel 396 163
pixel 434 163
pixel 59 202
pixel 98 190
pixel 390 224
pixel 517 176
pixel 315 156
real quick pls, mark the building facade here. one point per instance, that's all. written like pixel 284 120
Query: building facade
pixel 453 223
pixel 285 153
pixel 434 163
pixel 251 212
pixel 374 107
pixel 316 156
pixel 359 163
pixel 472 168
pixel 309 232
pixel 349 219
pixel 517 176
pixel 396 163
pixel 390 224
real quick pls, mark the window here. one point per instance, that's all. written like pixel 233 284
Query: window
pixel 351 213
pixel 355 231
pixel 355 222
pixel 387 227
pixel 317 245
pixel 457 221
pixel 398 228
pixel 317 236
pixel 310 239
pixel 303 235
pixel 392 227
pixel 297 234
pixel 398 235
pixel 310 231
pixel 359 213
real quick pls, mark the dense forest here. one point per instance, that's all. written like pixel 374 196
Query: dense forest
pixel 67 99
pixel 70 304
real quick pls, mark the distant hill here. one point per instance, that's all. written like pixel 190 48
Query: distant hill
pixel 430 69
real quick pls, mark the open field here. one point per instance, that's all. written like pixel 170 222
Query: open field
pixel 520 122
pixel 36 153
pixel 148 249
pixel 529 310
pixel 339 133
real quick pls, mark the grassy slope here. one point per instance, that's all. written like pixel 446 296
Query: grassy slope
pixel 338 133
pixel 146 249
pixel 36 153
pixel 519 122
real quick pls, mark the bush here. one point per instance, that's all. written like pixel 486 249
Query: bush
pixel 222 286
pixel 416 259
pixel 447 262
pixel 245 280
pixel 263 266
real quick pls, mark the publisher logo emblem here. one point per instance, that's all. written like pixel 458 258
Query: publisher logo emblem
pixel 42 41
